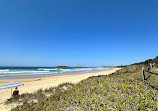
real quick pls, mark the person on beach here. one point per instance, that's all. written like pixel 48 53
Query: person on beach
pixel 15 93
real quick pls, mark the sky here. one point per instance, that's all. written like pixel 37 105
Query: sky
pixel 77 32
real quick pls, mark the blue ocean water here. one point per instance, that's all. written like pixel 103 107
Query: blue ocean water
pixel 26 72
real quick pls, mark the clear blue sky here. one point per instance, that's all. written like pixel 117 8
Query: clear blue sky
pixel 77 32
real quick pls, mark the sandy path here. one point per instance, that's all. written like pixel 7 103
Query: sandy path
pixel 33 84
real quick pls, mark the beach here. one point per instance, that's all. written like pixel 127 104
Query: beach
pixel 35 83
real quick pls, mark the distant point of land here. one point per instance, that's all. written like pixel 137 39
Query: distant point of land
pixel 62 66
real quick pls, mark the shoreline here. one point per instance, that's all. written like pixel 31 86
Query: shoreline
pixel 51 76
pixel 56 74
pixel 33 84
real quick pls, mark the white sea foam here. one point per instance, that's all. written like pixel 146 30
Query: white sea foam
pixel 3 75
pixel 4 70
pixel 76 69
pixel 31 74
pixel 46 69
pixel 24 71
pixel 83 69
pixel 65 70
pixel 27 74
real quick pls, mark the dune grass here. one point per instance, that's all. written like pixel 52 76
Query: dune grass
pixel 122 90
pixel 40 94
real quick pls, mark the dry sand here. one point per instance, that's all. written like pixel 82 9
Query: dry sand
pixel 33 84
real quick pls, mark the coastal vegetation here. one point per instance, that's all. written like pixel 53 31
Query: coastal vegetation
pixel 122 90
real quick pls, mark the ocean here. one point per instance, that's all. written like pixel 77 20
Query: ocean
pixel 26 72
